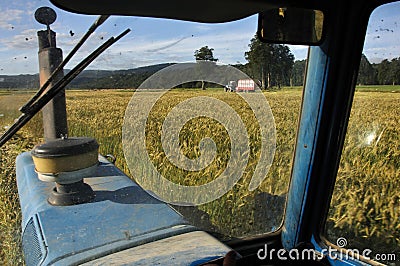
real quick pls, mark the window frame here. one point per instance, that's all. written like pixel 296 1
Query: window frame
pixel 330 86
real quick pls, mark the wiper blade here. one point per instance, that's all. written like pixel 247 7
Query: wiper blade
pixel 95 25
pixel 54 90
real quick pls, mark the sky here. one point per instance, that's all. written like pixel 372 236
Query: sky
pixel 154 41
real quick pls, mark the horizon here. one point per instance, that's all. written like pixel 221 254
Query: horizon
pixel 157 41
pixel 139 67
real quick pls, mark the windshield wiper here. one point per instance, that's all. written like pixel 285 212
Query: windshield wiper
pixel 40 102
pixel 95 25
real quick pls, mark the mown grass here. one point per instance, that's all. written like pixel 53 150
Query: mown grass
pixel 378 88
pixel 365 205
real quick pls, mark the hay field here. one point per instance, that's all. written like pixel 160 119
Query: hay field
pixel 365 206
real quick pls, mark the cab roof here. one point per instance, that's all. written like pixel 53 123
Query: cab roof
pixel 209 11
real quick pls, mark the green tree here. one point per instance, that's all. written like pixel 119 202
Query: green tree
pixel 270 63
pixel 298 72
pixel 366 72
pixel 383 69
pixel 283 62
pixel 205 53
pixel 395 71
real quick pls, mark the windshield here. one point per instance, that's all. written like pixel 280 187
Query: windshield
pixel 205 106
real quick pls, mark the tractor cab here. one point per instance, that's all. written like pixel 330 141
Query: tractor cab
pixel 124 153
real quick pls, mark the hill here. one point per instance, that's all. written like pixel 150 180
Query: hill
pixel 89 79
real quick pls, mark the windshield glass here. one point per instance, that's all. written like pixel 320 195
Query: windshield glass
pixel 218 111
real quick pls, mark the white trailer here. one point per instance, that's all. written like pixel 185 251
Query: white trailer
pixel 246 85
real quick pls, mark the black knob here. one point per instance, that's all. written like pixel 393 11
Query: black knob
pixel 45 15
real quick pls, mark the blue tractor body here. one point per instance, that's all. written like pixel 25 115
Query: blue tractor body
pixel 122 216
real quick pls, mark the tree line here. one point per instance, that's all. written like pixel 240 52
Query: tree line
pixel 270 64
pixel 273 66
pixel 387 72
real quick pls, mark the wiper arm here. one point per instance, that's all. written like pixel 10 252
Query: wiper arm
pixel 35 107
pixel 95 25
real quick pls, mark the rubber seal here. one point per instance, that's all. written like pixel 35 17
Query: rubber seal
pixel 65 147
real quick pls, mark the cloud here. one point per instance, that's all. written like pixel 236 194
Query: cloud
pixel 10 17
pixel 382 44
pixel 377 54
pixel 136 52
pixel 299 51
pixel 159 41
pixel 169 45
pixel 383 34
pixel 203 27
pixel 130 52
pixel 26 40
pixel 66 41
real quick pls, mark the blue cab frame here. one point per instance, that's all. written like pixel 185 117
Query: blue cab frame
pixel 327 99
pixel 328 94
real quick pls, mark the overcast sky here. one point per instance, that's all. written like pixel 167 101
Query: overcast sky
pixel 155 41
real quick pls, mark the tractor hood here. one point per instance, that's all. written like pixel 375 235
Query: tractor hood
pixel 123 225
